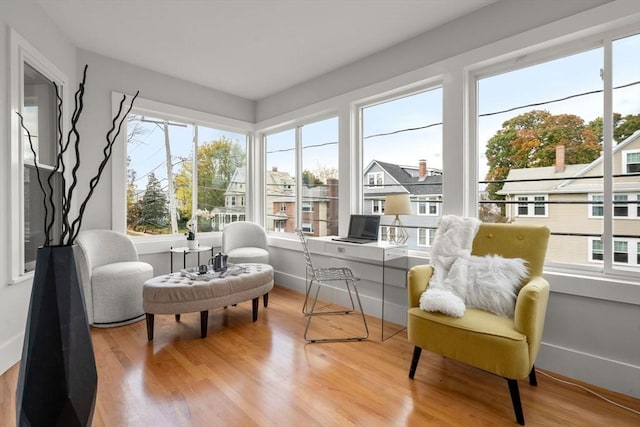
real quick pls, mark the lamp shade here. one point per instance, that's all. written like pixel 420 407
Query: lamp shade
pixel 397 204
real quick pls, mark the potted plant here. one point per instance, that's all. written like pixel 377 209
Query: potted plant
pixel 192 243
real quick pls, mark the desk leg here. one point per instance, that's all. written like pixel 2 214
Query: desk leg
pixel 184 259
pixel 171 258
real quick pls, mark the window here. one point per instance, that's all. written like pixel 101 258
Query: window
pixel 39 110
pixel 401 145
pixel 620 206
pixel 426 236
pixel 620 251
pixel 631 161
pixel 313 178
pixel 375 179
pixel 542 152
pixel 597 210
pixel 167 185
pixel 527 208
pixel 597 250
pixel 429 206
pixel 377 207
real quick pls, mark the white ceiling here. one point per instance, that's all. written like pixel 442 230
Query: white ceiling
pixel 249 48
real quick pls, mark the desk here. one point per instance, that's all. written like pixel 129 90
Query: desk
pixel 185 250
pixel 392 259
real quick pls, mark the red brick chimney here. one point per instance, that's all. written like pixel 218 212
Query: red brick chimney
pixel 559 158
pixel 422 169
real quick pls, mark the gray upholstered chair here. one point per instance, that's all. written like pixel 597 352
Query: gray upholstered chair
pixel 111 277
pixel 245 242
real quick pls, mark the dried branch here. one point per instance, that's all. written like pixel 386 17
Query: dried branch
pixel 107 151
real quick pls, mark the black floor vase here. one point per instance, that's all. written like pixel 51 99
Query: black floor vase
pixel 58 381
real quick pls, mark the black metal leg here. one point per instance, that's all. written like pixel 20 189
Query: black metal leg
pixel 532 376
pixel 515 399
pixel 417 351
pixel 177 317
pixel 254 303
pixel 265 299
pixel 149 317
pixel 204 323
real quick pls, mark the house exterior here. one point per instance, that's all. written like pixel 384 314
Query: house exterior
pixel 568 199
pixel 424 187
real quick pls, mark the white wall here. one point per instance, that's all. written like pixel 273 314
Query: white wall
pixel 36 28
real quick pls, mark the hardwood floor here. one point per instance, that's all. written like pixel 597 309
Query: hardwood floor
pixel 263 374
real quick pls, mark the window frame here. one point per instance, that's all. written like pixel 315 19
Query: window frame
pixel 21 52
pixel 531 205
pixel 625 161
pixel 169 112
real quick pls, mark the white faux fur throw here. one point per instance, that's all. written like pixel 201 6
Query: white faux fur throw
pixel 453 240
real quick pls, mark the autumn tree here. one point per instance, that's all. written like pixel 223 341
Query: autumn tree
pixel 530 139
pixel 217 162
pixel 623 127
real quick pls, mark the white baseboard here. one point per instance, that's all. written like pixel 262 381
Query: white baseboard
pixel 10 352
pixel 592 369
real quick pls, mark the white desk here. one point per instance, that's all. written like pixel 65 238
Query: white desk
pixel 390 262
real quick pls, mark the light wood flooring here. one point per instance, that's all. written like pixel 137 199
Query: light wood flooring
pixel 264 374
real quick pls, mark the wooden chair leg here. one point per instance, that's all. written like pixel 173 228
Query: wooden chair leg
pixel 149 317
pixel 265 299
pixel 254 303
pixel 515 399
pixel 417 351
pixel 204 323
pixel 177 317
pixel 532 376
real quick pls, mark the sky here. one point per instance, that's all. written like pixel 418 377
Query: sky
pixel 539 83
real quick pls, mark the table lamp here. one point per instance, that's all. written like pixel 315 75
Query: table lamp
pixel 397 204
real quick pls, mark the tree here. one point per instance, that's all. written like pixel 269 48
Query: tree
pixel 217 162
pixel 530 139
pixel 310 180
pixel 154 212
pixel 623 127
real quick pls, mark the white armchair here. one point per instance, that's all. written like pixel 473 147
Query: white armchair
pixel 111 277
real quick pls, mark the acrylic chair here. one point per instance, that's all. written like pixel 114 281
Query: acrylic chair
pixel 328 278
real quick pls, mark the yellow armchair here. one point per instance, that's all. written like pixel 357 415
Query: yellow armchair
pixel 503 346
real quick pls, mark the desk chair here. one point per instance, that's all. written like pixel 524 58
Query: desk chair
pixel 324 277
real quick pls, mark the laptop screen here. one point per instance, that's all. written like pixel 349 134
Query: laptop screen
pixel 364 226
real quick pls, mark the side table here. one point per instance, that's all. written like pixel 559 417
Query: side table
pixel 184 250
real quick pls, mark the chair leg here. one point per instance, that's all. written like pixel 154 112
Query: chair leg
pixel 265 300
pixel 515 399
pixel 204 323
pixel 177 317
pixel 149 317
pixel 312 313
pixel 417 351
pixel 532 376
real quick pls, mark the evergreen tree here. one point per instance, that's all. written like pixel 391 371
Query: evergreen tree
pixel 154 211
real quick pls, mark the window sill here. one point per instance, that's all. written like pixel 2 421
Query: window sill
pixel 28 277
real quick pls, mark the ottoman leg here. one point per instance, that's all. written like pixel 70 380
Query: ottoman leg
pixel 204 323
pixel 149 317
pixel 265 299
pixel 177 317
pixel 254 303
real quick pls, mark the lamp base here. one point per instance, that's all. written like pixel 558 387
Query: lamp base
pixel 397 233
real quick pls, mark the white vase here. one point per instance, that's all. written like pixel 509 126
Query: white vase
pixel 192 244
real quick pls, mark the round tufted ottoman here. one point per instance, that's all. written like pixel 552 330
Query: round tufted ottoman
pixel 175 294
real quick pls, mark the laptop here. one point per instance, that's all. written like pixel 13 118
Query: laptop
pixel 362 229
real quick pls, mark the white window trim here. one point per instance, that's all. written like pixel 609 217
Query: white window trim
pixel 375 176
pixel 531 205
pixel 428 201
pixel 22 51
pixel 590 206
pixel 624 159
pixel 187 115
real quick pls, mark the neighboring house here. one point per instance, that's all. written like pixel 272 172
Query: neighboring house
pixel 580 216
pixel 424 187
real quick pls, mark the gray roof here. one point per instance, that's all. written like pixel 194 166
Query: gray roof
pixel 407 176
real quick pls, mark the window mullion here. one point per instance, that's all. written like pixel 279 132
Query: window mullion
pixel 607 164
pixel 194 179
pixel 299 180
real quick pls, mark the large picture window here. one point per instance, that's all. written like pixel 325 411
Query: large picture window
pixel 302 164
pixel 540 130
pixel 181 170
pixel 402 153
